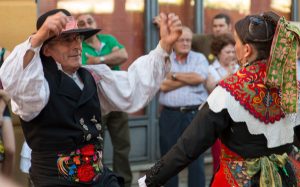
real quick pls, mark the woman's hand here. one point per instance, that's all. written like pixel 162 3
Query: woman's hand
pixel 141 181
pixel 170 30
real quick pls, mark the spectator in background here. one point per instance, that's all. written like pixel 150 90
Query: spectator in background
pixel 225 63
pixel 7 137
pixel 181 94
pixel 221 24
pixel 105 49
pixel 58 101
pixel 101 48
pixel 252 112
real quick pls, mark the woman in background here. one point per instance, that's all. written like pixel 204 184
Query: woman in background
pixel 225 64
pixel 222 48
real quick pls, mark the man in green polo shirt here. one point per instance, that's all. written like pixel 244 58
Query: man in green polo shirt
pixel 105 49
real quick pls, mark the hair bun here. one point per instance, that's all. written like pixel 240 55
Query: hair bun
pixel 271 17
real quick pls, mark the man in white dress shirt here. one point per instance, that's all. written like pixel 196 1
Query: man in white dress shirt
pixel 58 101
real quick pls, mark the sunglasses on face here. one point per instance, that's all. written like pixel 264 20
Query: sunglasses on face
pixel 187 40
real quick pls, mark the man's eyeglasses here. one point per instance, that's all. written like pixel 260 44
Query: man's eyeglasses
pixel 252 29
pixel 67 38
pixel 82 23
pixel 187 40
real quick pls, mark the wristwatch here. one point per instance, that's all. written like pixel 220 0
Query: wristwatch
pixel 102 59
pixel 174 76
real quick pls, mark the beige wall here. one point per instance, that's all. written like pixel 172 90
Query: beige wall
pixel 298 9
pixel 17 18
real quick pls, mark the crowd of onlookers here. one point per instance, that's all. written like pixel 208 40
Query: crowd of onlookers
pixel 196 72
pixel 199 62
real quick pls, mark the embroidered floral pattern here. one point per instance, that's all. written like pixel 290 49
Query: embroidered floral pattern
pixel 281 67
pixel 82 165
pixel 85 173
pixel 236 169
pixel 247 86
pixel 295 163
pixel 228 175
pixel 150 174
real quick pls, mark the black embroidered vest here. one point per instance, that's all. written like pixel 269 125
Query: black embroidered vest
pixel 70 119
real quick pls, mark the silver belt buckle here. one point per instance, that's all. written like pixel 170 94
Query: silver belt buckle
pixel 182 109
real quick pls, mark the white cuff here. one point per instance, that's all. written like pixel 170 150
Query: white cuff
pixel 141 181
pixel 34 49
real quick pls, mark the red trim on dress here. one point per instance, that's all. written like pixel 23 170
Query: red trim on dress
pixel 233 169
pixel 247 86
pixel 224 177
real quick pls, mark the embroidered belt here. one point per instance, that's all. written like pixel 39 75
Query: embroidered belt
pixel 183 108
pixel 82 165
pixel 239 171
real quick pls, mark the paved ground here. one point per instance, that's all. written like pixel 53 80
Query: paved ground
pixel 138 172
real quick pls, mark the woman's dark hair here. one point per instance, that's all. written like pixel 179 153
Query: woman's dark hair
pixel 219 42
pixel 258 30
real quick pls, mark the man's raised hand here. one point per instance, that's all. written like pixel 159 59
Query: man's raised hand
pixel 170 30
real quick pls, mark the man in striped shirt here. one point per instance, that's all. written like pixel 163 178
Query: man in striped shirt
pixel 182 92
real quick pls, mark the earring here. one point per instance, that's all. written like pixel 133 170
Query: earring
pixel 246 63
